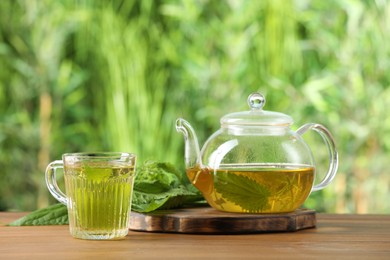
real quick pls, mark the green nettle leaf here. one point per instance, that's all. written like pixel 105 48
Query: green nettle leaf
pixel 56 214
pixel 161 186
pixel 242 191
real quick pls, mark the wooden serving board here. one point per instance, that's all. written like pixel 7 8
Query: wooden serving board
pixel 207 220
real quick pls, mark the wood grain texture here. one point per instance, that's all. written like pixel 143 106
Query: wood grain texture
pixel 208 220
pixel 335 237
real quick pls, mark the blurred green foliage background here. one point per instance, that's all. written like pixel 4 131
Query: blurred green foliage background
pixel 86 75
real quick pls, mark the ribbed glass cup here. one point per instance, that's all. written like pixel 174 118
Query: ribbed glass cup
pixel 98 193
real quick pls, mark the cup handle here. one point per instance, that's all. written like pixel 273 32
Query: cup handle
pixel 51 181
pixel 333 155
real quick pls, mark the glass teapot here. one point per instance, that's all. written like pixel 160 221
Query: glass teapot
pixel 255 163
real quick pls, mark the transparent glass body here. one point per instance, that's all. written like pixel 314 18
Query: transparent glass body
pixel 256 145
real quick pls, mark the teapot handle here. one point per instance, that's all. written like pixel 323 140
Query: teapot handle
pixel 333 155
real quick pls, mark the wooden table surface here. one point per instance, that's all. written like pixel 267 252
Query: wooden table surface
pixel 335 237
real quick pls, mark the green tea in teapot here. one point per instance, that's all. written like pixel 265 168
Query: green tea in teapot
pixel 254 188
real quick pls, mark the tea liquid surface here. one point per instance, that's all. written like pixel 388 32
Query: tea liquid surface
pixel 99 199
pixel 260 188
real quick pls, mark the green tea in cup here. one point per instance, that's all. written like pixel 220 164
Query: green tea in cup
pixel 98 192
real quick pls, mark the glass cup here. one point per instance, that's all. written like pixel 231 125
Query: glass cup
pixel 99 189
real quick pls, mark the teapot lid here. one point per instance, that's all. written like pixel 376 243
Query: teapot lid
pixel 256 116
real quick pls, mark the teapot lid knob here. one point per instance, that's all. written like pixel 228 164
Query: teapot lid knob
pixel 256 101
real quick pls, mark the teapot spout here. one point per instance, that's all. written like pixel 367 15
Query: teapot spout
pixel 192 152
